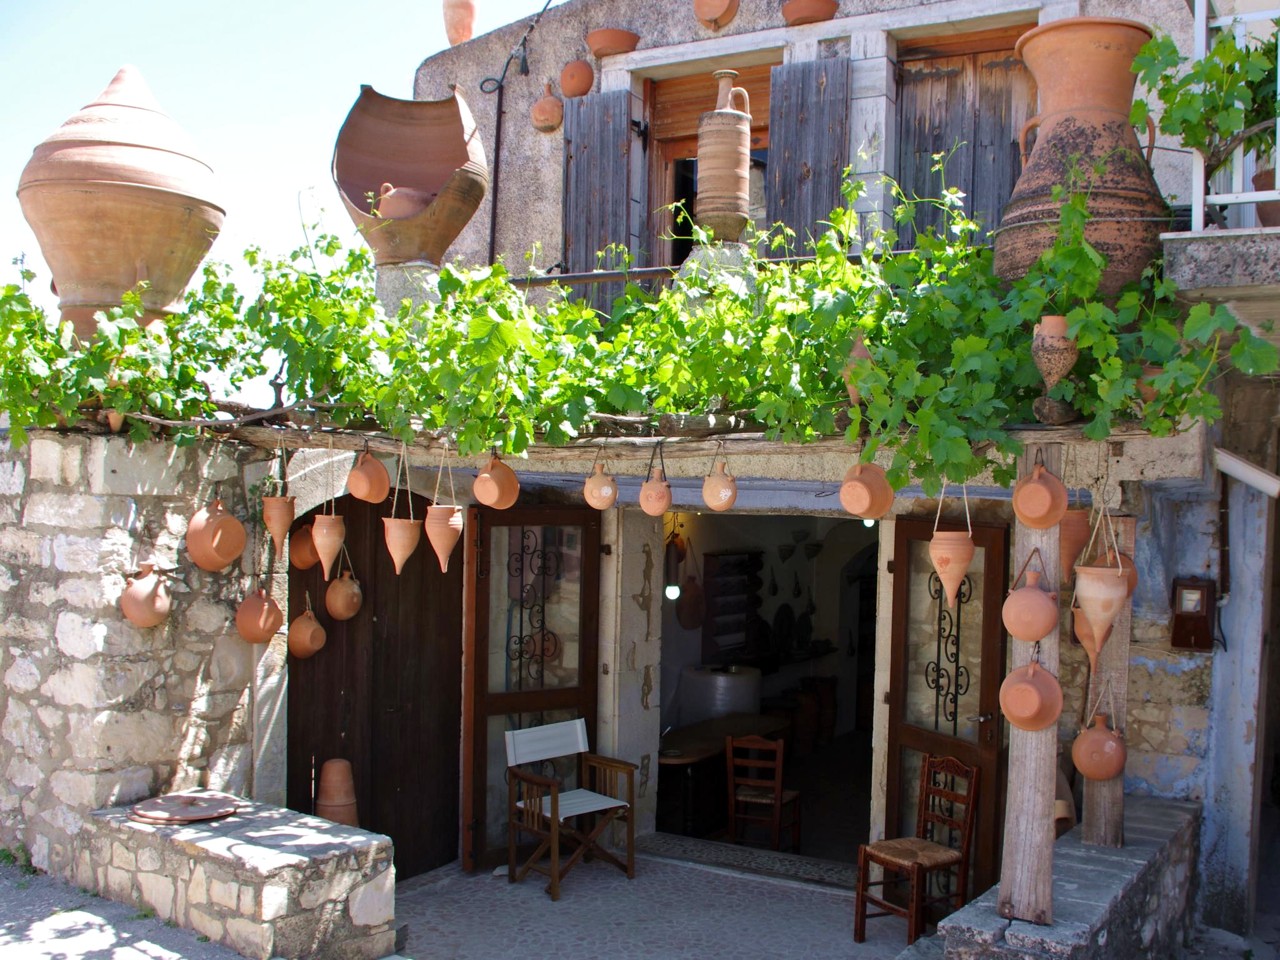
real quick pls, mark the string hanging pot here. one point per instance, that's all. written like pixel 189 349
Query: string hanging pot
pixel 215 538
pixel 444 521
pixel 951 551
pixel 655 492
pixel 328 532
pixel 277 517
pixel 146 601
pixel 1029 613
pixel 1039 499
pixel 1031 697
pixel 496 485
pixel 547 113
pixel 719 489
pixel 1053 351
pixel 401 536
pixel 1101 590
pixel 866 491
pixel 1098 751
pixel 258 617
pixel 368 479
pixel 344 598
pixel 306 635
pixel 600 490
pixel 302 548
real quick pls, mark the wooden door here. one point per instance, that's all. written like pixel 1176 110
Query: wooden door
pixel 385 690
pixel 529 649
pixel 944 681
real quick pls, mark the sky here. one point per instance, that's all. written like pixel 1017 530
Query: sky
pixel 262 87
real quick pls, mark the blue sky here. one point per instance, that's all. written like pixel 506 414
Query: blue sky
pixel 261 86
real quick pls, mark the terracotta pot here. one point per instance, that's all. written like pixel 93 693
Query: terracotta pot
pixel 1073 536
pixel 344 598
pixel 258 617
pixel 306 636
pixel 655 494
pixel 336 793
pixel 600 490
pixel 459 20
pixel 400 203
pixel 1101 593
pixel 1126 564
pixel 146 601
pixel 444 528
pixel 577 78
pixel 548 113
pixel 1040 499
pixel 1053 351
pixel 1029 613
pixel 402 538
pixel 1268 212
pixel 714 14
pixel 328 531
pixel 496 485
pixel 430 150
pixel 719 489
pixel 115 421
pixel 858 351
pixel 610 41
pixel 797 12
pixel 951 552
pixel 114 196
pixel 368 479
pixel 723 203
pixel 215 539
pixel 1146 383
pixel 1083 631
pixel 866 491
pixel 277 517
pixel 1099 752
pixel 302 549
pixel 1031 697
pixel 1081 67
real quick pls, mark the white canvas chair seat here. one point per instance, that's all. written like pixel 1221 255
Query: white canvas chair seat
pixel 575 803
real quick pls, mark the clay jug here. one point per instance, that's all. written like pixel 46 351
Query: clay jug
pixel 1053 351
pixel 951 552
pixel 302 549
pixel 258 617
pixel 714 14
pixel 336 793
pixel 459 20
pixel 858 351
pixel 866 491
pixel 402 538
pixel 547 113
pixel 655 494
pixel 306 636
pixel 215 539
pixel 577 78
pixel 1099 752
pixel 724 162
pixel 496 485
pixel 610 41
pixel 1029 613
pixel 114 196
pixel 600 490
pixel 145 601
pixel 1073 536
pixel 344 598
pixel 277 517
pixel 1039 499
pixel 328 531
pixel 368 479
pixel 444 528
pixel 798 12
pixel 1081 66
pixel 1031 697
pixel 1100 594
pixel 719 489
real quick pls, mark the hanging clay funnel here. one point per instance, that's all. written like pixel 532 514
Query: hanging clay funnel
pixel 402 538
pixel 215 539
pixel 1101 593
pixel 444 527
pixel 1084 634
pixel 258 617
pixel 1073 536
pixel 114 196
pixel 600 490
pixel 302 549
pixel 1127 565
pixel 115 421
pixel 459 20
pixel 723 203
pixel 719 489
pixel 368 479
pixel 859 351
pixel 1039 499
pixel 1029 613
pixel 277 516
pixel 344 598
pixel 336 793
pixel 145 601
pixel 496 485
pixel 306 636
pixel 1099 752
pixel 714 14
pixel 328 531
pixel 547 113
pixel 866 491
pixel 951 552
pixel 1053 351
pixel 655 494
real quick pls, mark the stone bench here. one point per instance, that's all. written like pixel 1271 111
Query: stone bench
pixel 267 882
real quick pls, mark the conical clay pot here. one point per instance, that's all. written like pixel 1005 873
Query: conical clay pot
pixel 600 490
pixel 1127 565
pixel 306 636
pixel 277 516
pixel 258 617
pixel 328 531
pixel 1031 697
pixel 1053 351
pixel 1040 499
pixel 215 538
pixel 459 20
pixel 866 491
pixel 444 528
pixel 547 113
pixel 655 494
pixel 336 793
pixel 146 601
pixel 402 538
pixel 368 479
pixel 1083 631
pixel 1101 593
pixel 302 549
pixel 1029 613
pixel 1099 752
pixel 344 598
pixel 951 552
pixel 1073 537
pixel 723 203
pixel 719 489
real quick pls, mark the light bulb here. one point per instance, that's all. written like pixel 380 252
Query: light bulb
pixel 868 523
pixel 672 591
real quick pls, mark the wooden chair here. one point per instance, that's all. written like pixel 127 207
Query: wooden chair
pixel 756 795
pixel 914 859
pixel 538 805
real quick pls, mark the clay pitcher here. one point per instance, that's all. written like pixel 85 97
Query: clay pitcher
pixel 277 516
pixel 1073 536
pixel 336 793
pixel 547 113
pixel 719 489
pixel 600 490
pixel 306 636
pixel 1053 351
pixel 146 600
pixel 1029 613
pixel 444 528
pixel 1099 752
pixel 459 20
pixel 1039 499
pixel 344 598
pixel 724 162
pixel 328 531
pixel 215 538
pixel 1101 593
pixel 951 552
pixel 402 538
pixel 302 549
pixel 1031 697
pixel 866 491
pixel 368 479
pixel 496 485
pixel 655 494
pixel 258 617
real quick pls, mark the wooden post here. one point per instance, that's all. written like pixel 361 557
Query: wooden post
pixel 1026 870
pixel 1103 822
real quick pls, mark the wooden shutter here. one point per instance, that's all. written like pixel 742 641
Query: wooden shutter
pixel 808 143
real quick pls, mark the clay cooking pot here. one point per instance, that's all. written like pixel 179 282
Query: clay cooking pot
pixel 1029 613
pixel 306 636
pixel 344 598
pixel 1040 500
pixel 866 491
pixel 258 617
pixel 215 539
pixel 1031 697
pixel 600 490
pixel 719 489
pixel 145 601
pixel 368 479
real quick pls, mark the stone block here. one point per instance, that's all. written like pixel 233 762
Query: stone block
pixel 275 901
pixel 13 478
pixel 23 675
pixel 24 630
pixel 231 665
pixel 198 886
pixel 150 860
pixel 123 857
pixel 374 902
pixel 67 511
pixel 18 727
pixel 74 554
pixel 249 938
pixel 119 884
pixel 24 548
pixel 45 594
pixel 79 637
pixel 139 470
pixel 205 922
pixel 23 773
pixel 90 593
pixel 229 768
pixel 248 900
pixel 208 616
pixel 224 893
pixel 55 461
pixel 157 893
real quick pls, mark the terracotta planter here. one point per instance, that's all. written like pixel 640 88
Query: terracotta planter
pixel 609 41
pixel 600 490
pixel 115 421
pixel 1146 383
pixel 336 793
pixel 344 598
pixel 1268 211
pixel 715 14
pixel 1031 697
pixel 655 494
pixel 1081 66
pixel 258 618
pixel 277 517
pixel 1029 613
pixel 215 539
pixel 858 351
pixel 951 552
pixel 1053 351
pixel 1040 499
pixel 577 78
pixel 1073 537
pixel 719 489
pixel 866 491
pixel 368 479
pixel 548 113
pixel 430 151
pixel 302 549
pixel 114 196
pixel 402 538
pixel 1099 752
pixel 798 12
pixel 146 601
pixel 328 531
pixel 1101 593
pixel 723 204
pixel 444 528
pixel 459 20
pixel 306 636
pixel 496 485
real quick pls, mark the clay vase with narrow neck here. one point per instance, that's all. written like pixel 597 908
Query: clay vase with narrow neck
pixel 1053 351
pixel 444 528
pixel 402 538
pixel 951 552
pixel 302 549
pixel 719 489
pixel 215 539
pixel 655 494
pixel 547 113
pixel 328 531
pixel 368 479
pixel 336 793
pixel 723 203
pixel 866 491
pixel 1039 499
pixel 1101 593
pixel 344 598
pixel 459 20
pixel 277 517
pixel 1099 752
pixel 1029 613
pixel 600 490
pixel 1073 536
pixel 496 485
pixel 306 636
pixel 146 601
pixel 258 617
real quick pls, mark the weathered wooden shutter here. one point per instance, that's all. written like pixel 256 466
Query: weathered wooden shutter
pixel 808 143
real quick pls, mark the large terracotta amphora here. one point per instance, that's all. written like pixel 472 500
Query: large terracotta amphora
pixel 724 162
pixel 1081 67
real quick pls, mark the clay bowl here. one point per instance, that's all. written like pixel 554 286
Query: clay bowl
pixel 496 485
pixel 866 491
pixel 1031 697
pixel 1040 500
pixel 797 12
pixel 609 41
pixel 368 479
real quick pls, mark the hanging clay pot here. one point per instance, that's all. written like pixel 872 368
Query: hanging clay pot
pixel 1031 697
pixel 610 41
pixel 302 549
pixel 1083 631
pixel 258 617
pixel 1099 752
pixel 277 517
pixel 215 539
pixel 797 12
pixel 1040 499
pixel 547 113
pixel 600 490
pixel 655 494
pixel 496 485
pixel 368 479
pixel 306 636
pixel 719 489
pixel 951 552
pixel 577 78
pixel 715 14
pixel 114 196
pixel 1127 565
pixel 328 531
pixel 444 528
pixel 723 203
pixel 344 598
pixel 866 491
pixel 336 793
pixel 1101 593
pixel 402 538
pixel 1073 536
pixel 858 351
pixel 459 20
pixel 115 421
pixel 146 601
pixel 1029 613
pixel 1053 351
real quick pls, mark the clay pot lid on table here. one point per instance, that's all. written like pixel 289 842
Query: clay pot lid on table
pixel 175 809
pixel 610 41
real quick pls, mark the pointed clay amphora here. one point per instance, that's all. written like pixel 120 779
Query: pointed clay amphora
pixel 306 636
pixel 951 552
pixel 344 598
pixel 723 204
pixel 496 485
pixel 368 479
pixel 858 352
pixel 1084 634
pixel 600 490
pixel 1029 613
pixel 258 617
pixel 866 491
pixel 215 538
pixel 444 527
pixel 1101 593
pixel 328 531
pixel 719 489
pixel 146 601
pixel 655 494
pixel 277 516
pixel 402 538
pixel 1099 752
pixel 302 549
